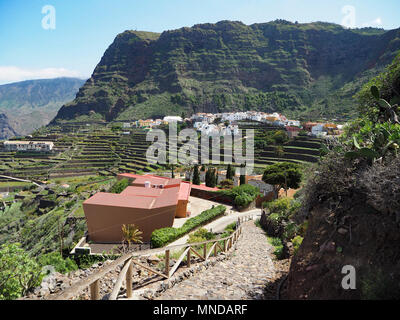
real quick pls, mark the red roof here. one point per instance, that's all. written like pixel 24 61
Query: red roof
pixel 138 196
pixel 184 191
pixel 132 197
pixel 203 187
pixel 140 180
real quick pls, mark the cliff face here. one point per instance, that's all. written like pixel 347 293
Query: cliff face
pixel 307 69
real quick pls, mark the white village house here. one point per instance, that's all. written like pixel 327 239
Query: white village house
pixel 35 146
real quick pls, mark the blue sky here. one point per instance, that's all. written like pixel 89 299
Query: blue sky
pixel 85 28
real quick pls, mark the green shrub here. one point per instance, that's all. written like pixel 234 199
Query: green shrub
pixel 162 237
pixel 120 186
pixel 278 206
pixel 277 243
pixel 200 235
pixel 60 264
pixel 242 195
pixel 18 272
pixel 297 241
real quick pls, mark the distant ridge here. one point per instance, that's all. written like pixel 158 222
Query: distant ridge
pixel 308 71
pixel 30 104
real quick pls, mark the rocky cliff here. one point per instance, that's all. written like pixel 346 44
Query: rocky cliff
pixel 310 70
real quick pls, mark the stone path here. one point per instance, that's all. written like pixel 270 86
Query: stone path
pixel 242 277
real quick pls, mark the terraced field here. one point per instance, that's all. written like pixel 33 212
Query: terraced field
pixel 99 150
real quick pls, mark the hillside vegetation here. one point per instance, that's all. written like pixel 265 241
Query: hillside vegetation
pixel 303 70
pixel 351 204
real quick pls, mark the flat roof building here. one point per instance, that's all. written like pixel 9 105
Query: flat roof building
pixel 150 202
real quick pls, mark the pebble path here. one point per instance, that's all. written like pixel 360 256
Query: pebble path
pixel 242 277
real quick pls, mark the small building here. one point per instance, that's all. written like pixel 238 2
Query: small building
pixel 317 129
pixel 308 125
pixel 150 202
pixel 292 131
pixel 170 119
pixel 29 146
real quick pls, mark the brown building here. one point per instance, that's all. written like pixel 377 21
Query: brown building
pixel 150 203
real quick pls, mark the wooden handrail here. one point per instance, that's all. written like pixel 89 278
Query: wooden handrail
pixel 93 280
pixel 118 284
pixel 178 262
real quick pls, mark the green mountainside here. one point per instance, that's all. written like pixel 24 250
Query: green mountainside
pixel 28 105
pixel 308 71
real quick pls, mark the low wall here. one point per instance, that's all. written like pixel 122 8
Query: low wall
pixel 212 196
pixel 268 197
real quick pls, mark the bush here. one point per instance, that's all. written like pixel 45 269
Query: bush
pixel 277 243
pixel 200 235
pixel 56 260
pixel 162 237
pixel 120 186
pixel 242 195
pixel 226 184
pixel 297 241
pixel 278 206
pixel 18 272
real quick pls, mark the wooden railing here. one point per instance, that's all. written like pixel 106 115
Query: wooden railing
pixel 93 281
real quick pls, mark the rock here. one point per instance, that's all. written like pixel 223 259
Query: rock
pixel 328 247
pixel 153 260
pixel 342 230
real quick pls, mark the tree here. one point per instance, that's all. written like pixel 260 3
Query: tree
pixel 229 172
pixel 279 152
pixel 242 179
pixel 211 180
pixel 196 175
pixel 283 175
pixel 131 234
pixel 280 137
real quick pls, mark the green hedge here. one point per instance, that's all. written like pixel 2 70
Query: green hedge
pixel 242 195
pixel 162 237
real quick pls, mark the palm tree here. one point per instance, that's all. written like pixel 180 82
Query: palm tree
pixel 131 234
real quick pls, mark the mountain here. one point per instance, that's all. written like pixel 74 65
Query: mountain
pixel 28 105
pixel 5 128
pixel 305 70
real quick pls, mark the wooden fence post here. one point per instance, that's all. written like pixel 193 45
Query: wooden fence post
pixel 188 259
pixel 167 263
pixel 129 280
pixel 224 245
pixel 95 290
pixel 215 250
pixel 205 251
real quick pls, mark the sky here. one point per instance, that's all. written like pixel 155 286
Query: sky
pixel 53 38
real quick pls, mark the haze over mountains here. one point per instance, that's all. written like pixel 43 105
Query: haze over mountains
pixel 28 105
pixel 308 71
